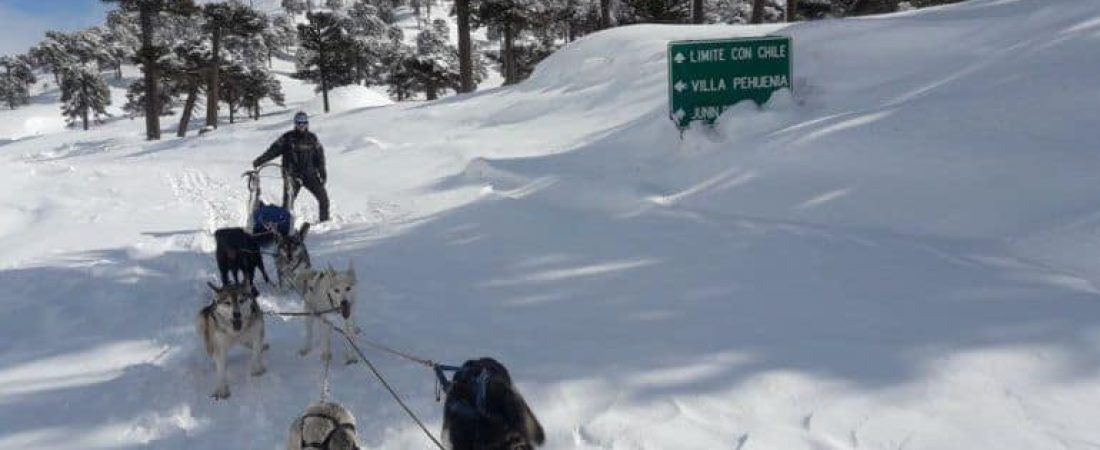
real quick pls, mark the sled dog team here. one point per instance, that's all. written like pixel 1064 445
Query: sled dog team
pixel 482 411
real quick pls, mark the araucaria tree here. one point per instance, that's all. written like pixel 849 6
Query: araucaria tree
pixel 225 19
pixel 510 18
pixel 84 93
pixel 149 55
pixel 16 78
pixel 325 53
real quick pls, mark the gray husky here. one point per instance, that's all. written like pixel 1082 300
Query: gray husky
pixel 325 291
pixel 291 255
pixel 232 318
pixel 324 426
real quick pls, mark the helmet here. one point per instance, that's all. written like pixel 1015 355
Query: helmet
pixel 300 117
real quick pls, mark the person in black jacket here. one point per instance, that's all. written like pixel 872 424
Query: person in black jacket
pixel 303 164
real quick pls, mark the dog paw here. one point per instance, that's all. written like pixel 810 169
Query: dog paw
pixel 259 371
pixel 221 393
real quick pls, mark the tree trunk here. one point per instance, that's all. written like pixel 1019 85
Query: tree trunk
pixel 605 14
pixel 118 70
pixel 188 108
pixel 697 11
pixel 212 85
pixel 864 7
pixel 757 11
pixel 465 56
pixel 324 77
pixel 150 69
pixel 509 57
pixel 231 109
pixel 430 90
pixel 84 103
pixel 792 7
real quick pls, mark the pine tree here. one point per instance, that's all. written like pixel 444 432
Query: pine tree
pixel 279 35
pixel 436 62
pixel 510 18
pixel 16 78
pixel 656 11
pixel 84 93
pixel 401 79
pixel 294 7
pixel 375 41
pixel 326 52
pixel 258 84
pixel 150 54
pixel 187 71
pixel 225 19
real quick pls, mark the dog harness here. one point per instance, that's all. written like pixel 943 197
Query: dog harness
pixel 322 430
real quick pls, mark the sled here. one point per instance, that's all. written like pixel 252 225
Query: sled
pixel 264 219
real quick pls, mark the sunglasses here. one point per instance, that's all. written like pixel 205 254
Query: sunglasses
pixel 301 123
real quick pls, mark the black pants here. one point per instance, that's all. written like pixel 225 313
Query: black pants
pixel 313 184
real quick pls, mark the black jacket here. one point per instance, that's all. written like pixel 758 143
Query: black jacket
pixel 303 155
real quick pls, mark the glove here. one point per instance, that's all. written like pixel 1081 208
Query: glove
pixel 255 163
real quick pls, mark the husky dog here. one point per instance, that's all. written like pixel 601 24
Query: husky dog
pixel 325 291
pixel 233 317
pixel 291 255
pixel 484 411
pixel 324 426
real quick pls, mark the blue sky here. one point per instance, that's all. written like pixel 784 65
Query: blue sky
pixel 23 22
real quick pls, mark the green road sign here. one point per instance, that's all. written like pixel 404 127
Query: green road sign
pixel 706 77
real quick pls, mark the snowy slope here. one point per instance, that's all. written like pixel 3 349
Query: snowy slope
pixel 897 257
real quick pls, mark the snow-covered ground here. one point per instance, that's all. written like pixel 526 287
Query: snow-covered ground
pixel 902 256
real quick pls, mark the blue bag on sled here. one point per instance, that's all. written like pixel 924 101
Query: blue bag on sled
pixel 273 216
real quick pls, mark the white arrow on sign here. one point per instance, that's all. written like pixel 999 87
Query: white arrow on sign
pixel 679 86
pixel 679 58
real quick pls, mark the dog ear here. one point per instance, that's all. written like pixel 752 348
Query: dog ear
pixel 215 288
pixel 302 231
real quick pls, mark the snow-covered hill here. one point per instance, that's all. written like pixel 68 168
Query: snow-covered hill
pixel 899 256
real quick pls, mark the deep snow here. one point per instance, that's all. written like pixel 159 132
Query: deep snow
pixel 898 256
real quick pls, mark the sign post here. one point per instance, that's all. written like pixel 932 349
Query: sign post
pixel 706 77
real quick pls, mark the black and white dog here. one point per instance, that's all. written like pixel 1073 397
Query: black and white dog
pixel 238 251
pixel 484 411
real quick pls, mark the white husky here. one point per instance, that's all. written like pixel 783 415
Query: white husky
pixel 232 318
pixel 326 291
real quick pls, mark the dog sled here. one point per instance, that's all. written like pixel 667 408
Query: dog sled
pixel 265 219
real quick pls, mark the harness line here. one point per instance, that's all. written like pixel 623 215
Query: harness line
pixel 382 379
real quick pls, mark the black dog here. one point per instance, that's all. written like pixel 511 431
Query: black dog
pixel 237 251
pixel 483 410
